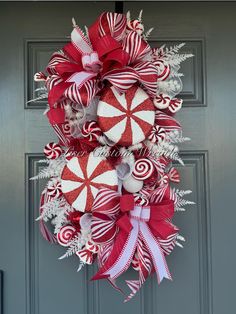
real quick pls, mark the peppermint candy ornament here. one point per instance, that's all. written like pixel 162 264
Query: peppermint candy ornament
pixel 157 134
pixel 173 175
pixel 136 26
pixel 65 235
pixel 82 177
pixel 143 169
pixel 92 247
pixel 53 150
pixel 91 130
pixel 54 188
pixel 163 69
pixel 175 105
pixel 162 101
pixel 126 119
pixel 85 256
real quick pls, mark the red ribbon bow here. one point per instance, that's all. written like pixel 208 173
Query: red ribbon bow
pixel 111 56
pixel 135 227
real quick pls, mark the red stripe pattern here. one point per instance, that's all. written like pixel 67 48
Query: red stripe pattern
pixel 82 177
pixel 105 211
pixel 125 119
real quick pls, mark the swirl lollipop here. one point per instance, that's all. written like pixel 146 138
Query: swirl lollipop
pixel 143 169
pixel 65 235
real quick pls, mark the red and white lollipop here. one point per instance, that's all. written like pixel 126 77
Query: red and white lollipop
pixel 82 177
pixel 143 169
pixel 65 235
pixel 91 130
pixel 53 150
pixel 126 118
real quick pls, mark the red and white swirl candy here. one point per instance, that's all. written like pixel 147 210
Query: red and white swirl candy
pixel 40 77
pixel 163 69
pixel 175 105
pixel 54 188
pixel 65 235
pixel 92 247
pixel 162 101
pixel 85 256
pixel 53 150
pixel 91 130
pixel 143 169
pixel 157 134
pixel 135 25
pixel 173 175
pixel 66 128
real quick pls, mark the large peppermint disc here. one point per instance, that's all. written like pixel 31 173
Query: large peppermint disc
pixel 126 118
pixel 82 177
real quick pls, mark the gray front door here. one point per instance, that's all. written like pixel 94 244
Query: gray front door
pixel 34 280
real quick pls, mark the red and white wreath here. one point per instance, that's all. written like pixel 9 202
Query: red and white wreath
pixel 111 101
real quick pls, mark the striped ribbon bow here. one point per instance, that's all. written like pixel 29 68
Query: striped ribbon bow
pixel 109 55
pixel 138 230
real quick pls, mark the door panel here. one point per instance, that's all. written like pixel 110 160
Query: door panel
pixel 35 281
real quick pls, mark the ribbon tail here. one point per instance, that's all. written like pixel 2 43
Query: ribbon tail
pixel 134 286
pixel 145 266
pixel 121 255
pixel 156 253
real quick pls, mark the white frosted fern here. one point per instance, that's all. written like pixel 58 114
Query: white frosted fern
pixel 74 246
pixel 176 137
pixel 53 169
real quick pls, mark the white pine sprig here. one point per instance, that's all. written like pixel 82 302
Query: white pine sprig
pixel 180 203
pixel 168 52
pixel 148 33
pixel 128 17
pixel 181 193
pixel 178 58
pixel 54 208
pixel 171 55
pixel 180 238
pixel 74 246
pixel 42 96
pixel 140 16
pixel 176 137
pixel 59 220
pixel 53 169
pixel 176 74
